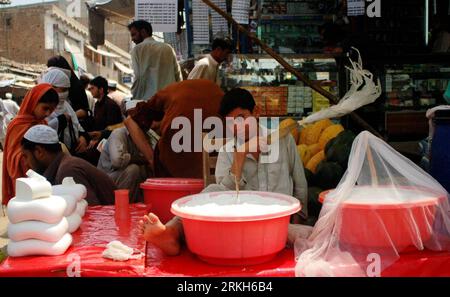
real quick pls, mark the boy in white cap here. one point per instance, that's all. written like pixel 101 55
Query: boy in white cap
pixel 43 154
pixel 8 110
pixel 10 105
pixel 114 94
pixel 7 113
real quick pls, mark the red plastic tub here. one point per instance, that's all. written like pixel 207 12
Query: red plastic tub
pixel 365 224
pixel 236 240
pixel 159 193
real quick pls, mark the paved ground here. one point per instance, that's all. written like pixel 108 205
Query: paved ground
pixel 3 218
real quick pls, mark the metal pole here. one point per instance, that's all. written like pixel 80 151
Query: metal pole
pixel 188 28
pixel 289 68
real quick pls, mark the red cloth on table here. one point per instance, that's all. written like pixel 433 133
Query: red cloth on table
pixel 99 227
pixel 187 264
pixel 417 264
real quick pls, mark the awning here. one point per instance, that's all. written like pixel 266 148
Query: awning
pixel 6 83
pixel 102 52
pixel 78 59
pixel 123 68
pixel 117 10
pixel 9 78
pixel 124 89
pixel 98 10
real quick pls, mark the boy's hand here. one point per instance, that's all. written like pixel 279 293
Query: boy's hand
pixel 254 146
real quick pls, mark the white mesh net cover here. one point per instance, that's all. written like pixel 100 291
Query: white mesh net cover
pixel 384 206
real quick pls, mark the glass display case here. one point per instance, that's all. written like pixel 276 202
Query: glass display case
pixel 411 84
pixel 277 91
pixel 292 26
pixel 416 86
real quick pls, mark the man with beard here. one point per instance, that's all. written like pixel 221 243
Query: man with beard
pixel 154 63
pixel 43 154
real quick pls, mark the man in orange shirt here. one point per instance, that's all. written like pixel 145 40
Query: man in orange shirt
pixel 176 100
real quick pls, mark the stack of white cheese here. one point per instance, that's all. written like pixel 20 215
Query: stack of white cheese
pixel 42 217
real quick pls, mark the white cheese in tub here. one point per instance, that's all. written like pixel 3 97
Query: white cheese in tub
pixel 226 205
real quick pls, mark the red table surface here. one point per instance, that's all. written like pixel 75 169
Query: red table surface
pixel 418 264
pixel 98 228
pixel 187 264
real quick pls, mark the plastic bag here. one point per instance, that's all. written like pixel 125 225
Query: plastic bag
pixel 362 91
pixel 384 206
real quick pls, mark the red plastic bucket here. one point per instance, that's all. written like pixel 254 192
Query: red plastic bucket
pixel 365 225
pixel 159 193
pixel 236 240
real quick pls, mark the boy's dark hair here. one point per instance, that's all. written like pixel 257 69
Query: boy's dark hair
pixel 236 98
pixel 50 97
pixel 101 83
pixel 224 44
pixel 31 146
pixel 141 24
pixel 85 80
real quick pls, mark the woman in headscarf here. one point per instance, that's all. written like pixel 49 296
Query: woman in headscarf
pixel 38 104
pixel 64 119
pixel 77 95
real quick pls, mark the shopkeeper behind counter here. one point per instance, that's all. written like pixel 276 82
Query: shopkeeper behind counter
pixel 176 100
pixel 207 68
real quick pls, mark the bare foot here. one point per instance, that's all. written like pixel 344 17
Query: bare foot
pixel 164 237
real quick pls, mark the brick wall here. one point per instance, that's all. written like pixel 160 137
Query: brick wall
pixel 118 35
pixel 22 36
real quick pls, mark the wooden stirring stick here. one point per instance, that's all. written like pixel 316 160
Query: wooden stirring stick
pixel 237 188
pixel 235 178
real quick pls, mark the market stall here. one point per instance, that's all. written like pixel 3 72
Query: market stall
pixel 99 227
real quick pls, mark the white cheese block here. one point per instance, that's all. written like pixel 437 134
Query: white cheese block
pixel 34 247
pixel 81 207
pixel 48 210
pixel 74 221
pixel 69 187
pixel 72 202
pixel 38 230
pixel 32 188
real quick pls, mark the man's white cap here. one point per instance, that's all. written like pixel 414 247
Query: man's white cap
pixel 42 134
pixel 8 96
pixel 132 104
pixel 112 83
pixel 56 77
